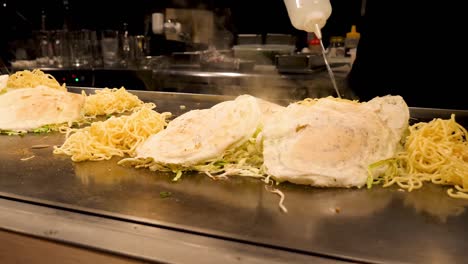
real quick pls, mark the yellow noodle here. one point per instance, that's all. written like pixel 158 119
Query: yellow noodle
pixel 437 152
pixel 32 79
pixel 116 136
pixel 312 101
pixel 111 101
pixel 459 193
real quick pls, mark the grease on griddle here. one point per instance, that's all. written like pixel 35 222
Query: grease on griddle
pixel 165 194
pixel 40 146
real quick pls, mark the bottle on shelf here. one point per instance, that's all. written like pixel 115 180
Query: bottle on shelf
pixel 154 32
pixel 337 47
pixel 125 47
pixel 314 45
pixel 351 41
pixel 157 23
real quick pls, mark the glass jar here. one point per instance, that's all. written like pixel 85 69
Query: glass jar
pixel 336 48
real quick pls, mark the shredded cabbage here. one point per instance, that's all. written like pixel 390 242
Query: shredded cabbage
pixel 245 160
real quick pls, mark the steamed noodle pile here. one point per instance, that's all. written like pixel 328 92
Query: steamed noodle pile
pixel 116 136
pixel 434 152
pixel 34 78
pixel 108 102
pixel 111 101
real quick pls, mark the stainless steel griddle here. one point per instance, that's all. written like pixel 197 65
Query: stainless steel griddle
pixel 381 225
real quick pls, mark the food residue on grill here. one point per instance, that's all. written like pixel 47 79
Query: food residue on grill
pixel 165 194
pixel 28 158
pixel 40 146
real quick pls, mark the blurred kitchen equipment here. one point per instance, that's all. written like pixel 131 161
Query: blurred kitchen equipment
pixel 281 39
pixel 81 48
pixel 223 60
pixel 155 63
pixel 173 30
pixel 244 39
pixel 336 49
pixel 89 38
pixel 299 63
pixel 157 23
pixel 210 60
pixel 313 44
pixel 96 53
pixel 189 25
pixel 61 48
pixel 262 54
pixel 110 48
pixel 127 48
pixel 45 55
pixel 141 48
pixel 23 64
pixel 189 59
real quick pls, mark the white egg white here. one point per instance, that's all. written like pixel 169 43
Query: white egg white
pixel 331 143
pixel 29 108
pixel 202 135
pixel 392 110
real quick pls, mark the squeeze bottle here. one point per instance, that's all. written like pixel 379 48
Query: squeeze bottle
pixel 351 41
pixel 309 15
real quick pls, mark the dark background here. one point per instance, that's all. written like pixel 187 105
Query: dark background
pixel 248 16
pixel 21 17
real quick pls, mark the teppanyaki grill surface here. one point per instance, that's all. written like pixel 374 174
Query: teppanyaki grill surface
pixel 376 225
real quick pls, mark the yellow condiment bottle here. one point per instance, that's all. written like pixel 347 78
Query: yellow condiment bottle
pixel 352 40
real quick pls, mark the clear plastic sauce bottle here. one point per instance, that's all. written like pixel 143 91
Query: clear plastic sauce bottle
pixel 305 14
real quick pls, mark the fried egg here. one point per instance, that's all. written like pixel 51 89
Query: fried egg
pixel 331 142
pixel 202 135
pixel 29 108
